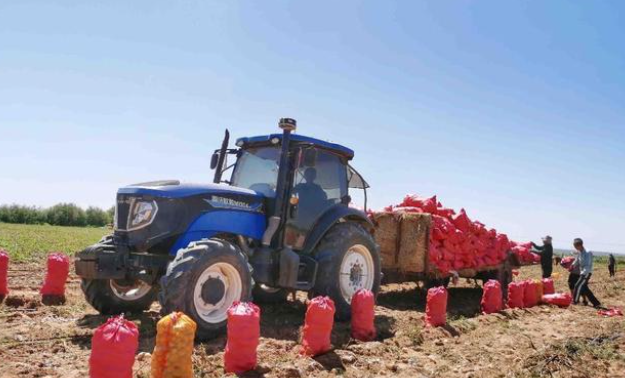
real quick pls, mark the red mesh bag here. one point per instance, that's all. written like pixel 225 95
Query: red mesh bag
pixel 567 262
pixel 515 294
pixel 438 234
pixel 318 326
pixel 113 348
pixel 492 300
pixel 445 212
pixel 530 294
pixel 4 269
pixel 363 315
pixel 243 336
pixel 558 299
pixel 428 205
pixel 436 307
pixel 548 287
pixel 462 221
pixel 610 312
pixel 435 254
pixel 56 275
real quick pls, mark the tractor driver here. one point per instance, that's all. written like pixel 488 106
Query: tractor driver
pixel 312 198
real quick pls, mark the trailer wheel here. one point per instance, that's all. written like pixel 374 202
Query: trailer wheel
pixel 203 281
pixel 349 260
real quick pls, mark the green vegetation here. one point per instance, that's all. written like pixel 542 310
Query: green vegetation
pixel 31 242
pixel 62 214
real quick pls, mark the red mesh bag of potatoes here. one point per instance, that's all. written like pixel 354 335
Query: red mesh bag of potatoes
pixel 462 221
pixel 363 315
pixel 567 262
pixel 530 294
pixel 4 272
pixel 56 275
pixel 318 326
pixel 436 307
pixel 113 348
pixel 558 299
pixel 492 300
pixel 428 205
pixel 515 294
pixel 445 212
pixel 548 287
pixel 243 336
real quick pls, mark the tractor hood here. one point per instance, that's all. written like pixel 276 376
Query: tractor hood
pixel 167 215
pixel 174 189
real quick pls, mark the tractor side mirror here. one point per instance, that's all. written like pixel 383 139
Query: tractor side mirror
pixel 214 160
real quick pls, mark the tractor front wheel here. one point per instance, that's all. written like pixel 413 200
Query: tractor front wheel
pixel 112 297
pixel 203 281
pixel 348 261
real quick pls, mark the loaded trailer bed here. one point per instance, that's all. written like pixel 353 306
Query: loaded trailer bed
pixel 404 240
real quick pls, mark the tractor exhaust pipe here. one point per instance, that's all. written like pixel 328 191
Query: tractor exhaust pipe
pixel 287 125
pixel 222 157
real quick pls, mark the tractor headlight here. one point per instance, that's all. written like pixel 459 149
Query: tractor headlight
pixel 141 214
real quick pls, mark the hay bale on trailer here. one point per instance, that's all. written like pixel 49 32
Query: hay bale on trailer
pixel 414 241
pixel 386 235
pixel 403 239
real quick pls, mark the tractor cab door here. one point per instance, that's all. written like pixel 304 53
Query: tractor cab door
pixel 319 182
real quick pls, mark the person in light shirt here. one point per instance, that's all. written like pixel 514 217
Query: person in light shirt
pixel 585 266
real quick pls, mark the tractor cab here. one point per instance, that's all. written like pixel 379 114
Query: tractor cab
pixel 318 178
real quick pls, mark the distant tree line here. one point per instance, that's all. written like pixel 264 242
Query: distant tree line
pixel 62 214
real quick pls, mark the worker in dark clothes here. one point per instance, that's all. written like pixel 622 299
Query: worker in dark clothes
pixel 546 255
pixel 585 264
pixel 612 265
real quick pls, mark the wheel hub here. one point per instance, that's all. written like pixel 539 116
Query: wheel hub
pixel 213 290
pixel 355 275
pixel 356 271
pixel 129 290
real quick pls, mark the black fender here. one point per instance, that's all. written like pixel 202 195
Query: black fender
pixel 329 218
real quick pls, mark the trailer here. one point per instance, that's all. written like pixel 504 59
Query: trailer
pixel 404 240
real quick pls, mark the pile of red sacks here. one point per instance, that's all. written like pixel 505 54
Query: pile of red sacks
pixel 457 242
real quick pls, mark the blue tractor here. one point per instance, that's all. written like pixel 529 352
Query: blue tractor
pixel 282 222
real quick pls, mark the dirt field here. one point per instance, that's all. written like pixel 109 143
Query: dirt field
pixel 42 341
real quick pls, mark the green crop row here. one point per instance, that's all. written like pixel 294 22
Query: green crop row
pixel 26 242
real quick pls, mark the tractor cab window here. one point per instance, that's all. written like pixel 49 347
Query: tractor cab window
pixel 320 176
pixel 257 169
pixel 319 182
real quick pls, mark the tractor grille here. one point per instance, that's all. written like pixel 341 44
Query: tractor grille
pixel 122 207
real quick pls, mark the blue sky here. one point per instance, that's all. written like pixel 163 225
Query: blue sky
pixel 514 111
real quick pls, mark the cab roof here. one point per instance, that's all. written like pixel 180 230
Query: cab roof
pixel 299 139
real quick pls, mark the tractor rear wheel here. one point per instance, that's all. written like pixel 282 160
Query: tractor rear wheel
pixel 203 281
pixel 112 297
pixel 349 260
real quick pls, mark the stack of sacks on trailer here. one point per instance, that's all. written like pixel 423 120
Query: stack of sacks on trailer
pixel 457 242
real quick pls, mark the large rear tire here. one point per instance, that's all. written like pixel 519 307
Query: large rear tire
pixel 203 281
pixel 349 260
pixel 111 297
